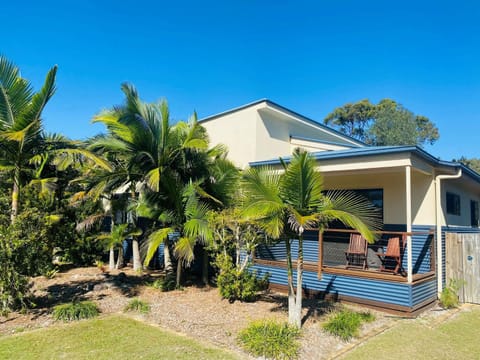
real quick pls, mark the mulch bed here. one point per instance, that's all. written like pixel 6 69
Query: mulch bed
pixel 195 311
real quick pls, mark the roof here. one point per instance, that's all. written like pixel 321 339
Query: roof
pixel 289 112
pixel 379 150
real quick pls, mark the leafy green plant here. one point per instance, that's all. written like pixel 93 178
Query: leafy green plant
pixel 168 283
pixel 75 311
pixel 50 274
pixel 138 305
pixel 346 323
pixel 449 296
pixel 235 283
pixel 271 339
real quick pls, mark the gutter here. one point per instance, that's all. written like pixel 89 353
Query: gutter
pixel 438 223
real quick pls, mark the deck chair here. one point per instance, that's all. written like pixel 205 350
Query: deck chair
pixel 391 255
pixel 356 253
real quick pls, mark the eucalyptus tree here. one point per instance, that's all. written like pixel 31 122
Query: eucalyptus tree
pixel 287 203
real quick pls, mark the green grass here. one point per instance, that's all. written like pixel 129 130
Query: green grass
pixel 105 338
pixel 346 323
pixel 137 305
pixel 270 339
pixel 75 311
pixel 456 338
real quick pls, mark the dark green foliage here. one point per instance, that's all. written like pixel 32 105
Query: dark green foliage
pixel 472 163
pixel 138 305
pixel 385 123
pixel 14 287
pixel 271 339
pixel 346 323
pixel 168 283
pixel 75 311
pixel 449 296
pixel 235 283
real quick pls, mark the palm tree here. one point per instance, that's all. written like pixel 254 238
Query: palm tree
pixel 140 136
pixel 286 204
pixel 115 239
pixel 21 135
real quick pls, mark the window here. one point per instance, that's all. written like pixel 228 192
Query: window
pixel 453 204
pixel 474 215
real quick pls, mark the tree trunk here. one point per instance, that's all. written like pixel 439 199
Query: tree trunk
pixel 120 257
pixel 15 195
pixel 205 266
pixel 111 258
pixel 298 301
pixel 137 262
pixel 179 273
pixel 291 291
pixel 167 259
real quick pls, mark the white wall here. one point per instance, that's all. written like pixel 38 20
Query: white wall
pixel 466 194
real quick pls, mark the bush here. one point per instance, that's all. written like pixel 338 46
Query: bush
pixel 137 305
pixel 346 323
pixel 168 283
pixel 75 311
pixel 14 287
pixel 271 339
pixel 449 296
pixel 237 284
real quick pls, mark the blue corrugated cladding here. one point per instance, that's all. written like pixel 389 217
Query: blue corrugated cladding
pixel 424 291
pixel 279 252
pixel 421 249
pixel 377 290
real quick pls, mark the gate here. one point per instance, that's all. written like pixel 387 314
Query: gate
pixel 463 263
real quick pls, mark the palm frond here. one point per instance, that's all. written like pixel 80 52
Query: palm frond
pixel 154 241
pixel 184 249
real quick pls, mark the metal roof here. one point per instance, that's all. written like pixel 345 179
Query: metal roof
pixel 378 150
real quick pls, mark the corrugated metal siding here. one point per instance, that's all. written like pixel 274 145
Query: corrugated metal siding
pixel 424 291
pixel 377 290
pixel 421 249
pixel 279 252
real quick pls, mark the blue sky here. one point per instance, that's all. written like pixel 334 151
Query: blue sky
pixel 210 56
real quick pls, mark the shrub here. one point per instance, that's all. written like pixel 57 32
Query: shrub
pixel 237 284
pixel 137 305
pixel 271 339
pixel 14 287
pixel 449 296
pixel 346 323
pixel 168 283
pixel 75 311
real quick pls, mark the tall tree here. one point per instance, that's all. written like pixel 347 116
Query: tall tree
pixel 286 204
pixel 353 119
pixel 386 123
pixel 21 133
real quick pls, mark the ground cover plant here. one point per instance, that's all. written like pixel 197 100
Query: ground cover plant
pixel 271 339
pixel 449 296
pixel 96 338
pixel 346 323
pixel 75 311
pixel 137 305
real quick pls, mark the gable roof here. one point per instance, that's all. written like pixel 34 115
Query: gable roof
pixel 293 115
pixel 379 150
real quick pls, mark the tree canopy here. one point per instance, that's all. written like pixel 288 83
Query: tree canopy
pixel 385 123
pixel 472 163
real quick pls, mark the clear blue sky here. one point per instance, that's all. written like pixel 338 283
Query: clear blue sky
pixel 209 56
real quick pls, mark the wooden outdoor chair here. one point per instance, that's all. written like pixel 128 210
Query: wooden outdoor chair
pixel 392 254
pixel 356 253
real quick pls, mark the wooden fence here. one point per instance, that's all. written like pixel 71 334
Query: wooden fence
pixel 463 264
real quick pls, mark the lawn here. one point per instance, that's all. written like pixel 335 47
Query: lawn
pixel 456 338
pixel 105 338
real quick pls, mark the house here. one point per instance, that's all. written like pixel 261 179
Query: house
pixel 420 198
